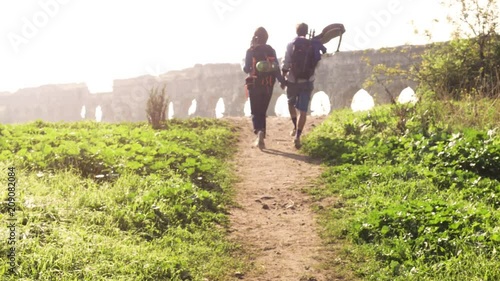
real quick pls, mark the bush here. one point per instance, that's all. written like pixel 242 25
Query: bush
pixel 157 107
pixel 462 67
pixel 468 64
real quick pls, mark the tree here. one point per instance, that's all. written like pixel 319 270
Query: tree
pixel 469 63
pixel 384 74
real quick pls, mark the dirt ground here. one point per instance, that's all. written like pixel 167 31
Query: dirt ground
pixel 274 221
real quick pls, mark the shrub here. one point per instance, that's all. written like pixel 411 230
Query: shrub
pixel 157 107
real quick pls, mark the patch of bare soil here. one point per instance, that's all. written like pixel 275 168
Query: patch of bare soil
pixel 274 221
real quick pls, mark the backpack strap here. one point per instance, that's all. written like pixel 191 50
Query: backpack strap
pixel 340 41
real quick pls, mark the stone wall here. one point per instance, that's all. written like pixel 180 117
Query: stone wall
pixel 340 76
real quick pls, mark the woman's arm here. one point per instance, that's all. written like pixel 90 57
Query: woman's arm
pixel 248 62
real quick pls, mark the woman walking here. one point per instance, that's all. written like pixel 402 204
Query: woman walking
pixel 262 68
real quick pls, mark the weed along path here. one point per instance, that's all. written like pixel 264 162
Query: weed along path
pixel 274 221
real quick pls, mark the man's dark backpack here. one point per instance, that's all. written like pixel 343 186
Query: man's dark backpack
pixel 303 61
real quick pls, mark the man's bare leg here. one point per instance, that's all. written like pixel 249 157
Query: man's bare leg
pixel 301 122
pixel 293 116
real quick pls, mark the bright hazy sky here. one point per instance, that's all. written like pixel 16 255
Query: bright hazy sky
pixel 96 41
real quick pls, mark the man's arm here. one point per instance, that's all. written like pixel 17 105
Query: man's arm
pixel 287 61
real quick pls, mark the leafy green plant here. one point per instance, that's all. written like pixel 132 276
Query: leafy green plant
pixel 104 151
pixel 413 203
pixel 99 201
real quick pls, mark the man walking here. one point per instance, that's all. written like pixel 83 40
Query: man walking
pixel 299 66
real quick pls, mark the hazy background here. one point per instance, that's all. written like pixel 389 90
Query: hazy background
pixel 91 41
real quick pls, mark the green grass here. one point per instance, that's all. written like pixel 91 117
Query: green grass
pixel 416 196
pixel 153 222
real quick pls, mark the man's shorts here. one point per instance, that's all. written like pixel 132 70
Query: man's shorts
pixel 299 94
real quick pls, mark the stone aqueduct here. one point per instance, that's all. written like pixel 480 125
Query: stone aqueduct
pixel 340 76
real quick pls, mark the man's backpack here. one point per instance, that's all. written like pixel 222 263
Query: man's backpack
pixel 264 63
pixel 303 59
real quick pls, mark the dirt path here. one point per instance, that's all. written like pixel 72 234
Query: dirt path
pixel 275 222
